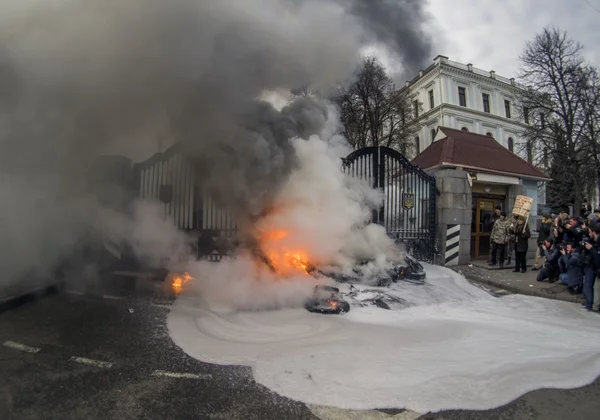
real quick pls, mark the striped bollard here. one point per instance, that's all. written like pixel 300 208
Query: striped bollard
pixel 452 245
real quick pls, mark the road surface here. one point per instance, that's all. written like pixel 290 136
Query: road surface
pixel 72 356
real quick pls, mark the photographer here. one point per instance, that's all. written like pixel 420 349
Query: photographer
pixel 594 232
pixel 572 276
pixel 550 270
pixel 589 258
pixel 586 209
pixel 573 231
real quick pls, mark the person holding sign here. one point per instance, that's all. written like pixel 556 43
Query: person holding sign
pixel 521 232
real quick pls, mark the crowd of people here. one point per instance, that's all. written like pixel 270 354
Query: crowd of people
pixel 568 249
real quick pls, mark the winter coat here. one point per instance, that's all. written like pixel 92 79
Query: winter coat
pixel 574 234
pixel 574 269
pixel 544 232
pixel 500 232
pixel 522 235
pixel 552 257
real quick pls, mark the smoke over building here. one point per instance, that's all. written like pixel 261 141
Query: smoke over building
pixel 83 78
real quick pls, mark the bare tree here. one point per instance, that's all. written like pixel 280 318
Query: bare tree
pixel 374 112
pixel 557 81
pixel 591 103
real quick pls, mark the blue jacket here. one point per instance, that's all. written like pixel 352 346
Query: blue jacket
pixel 575 269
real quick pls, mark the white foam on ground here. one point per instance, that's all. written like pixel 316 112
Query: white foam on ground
pixel 457 347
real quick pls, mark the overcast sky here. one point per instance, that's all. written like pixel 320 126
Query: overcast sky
pixel 490 34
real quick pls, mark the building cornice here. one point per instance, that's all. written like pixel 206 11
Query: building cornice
pixel 451 70
pixel 480 114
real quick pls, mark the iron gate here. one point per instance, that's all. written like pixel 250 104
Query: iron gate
pixel 169 178
pixel 407 213
pixel 408 209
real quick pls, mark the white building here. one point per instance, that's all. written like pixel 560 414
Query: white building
pixel 463 97
pixel 469 118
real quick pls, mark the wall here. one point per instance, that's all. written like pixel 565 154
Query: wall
pixel 453 206
pixel 444 81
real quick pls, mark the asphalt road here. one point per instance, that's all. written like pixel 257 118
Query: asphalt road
pixel 129 355
pixel 78 357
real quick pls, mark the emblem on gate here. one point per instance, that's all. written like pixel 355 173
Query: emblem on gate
pixel 408 200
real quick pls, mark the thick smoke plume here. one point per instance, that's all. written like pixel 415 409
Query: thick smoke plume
pixel 81 78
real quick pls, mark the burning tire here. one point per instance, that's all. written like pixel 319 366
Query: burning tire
pixel 327 300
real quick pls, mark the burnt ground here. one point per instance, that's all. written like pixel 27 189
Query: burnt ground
pixel 127 342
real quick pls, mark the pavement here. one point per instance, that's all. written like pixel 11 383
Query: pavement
pixel 503 281
pixel 79 356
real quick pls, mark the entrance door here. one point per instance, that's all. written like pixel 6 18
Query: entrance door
pixel 483 211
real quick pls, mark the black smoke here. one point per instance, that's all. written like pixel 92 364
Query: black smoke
pixel 82 78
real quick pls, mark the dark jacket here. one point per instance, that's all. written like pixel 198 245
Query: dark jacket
pixel 575 269
pixel 544 232
pixel 574 234
pixel 551 265
pixel 522 235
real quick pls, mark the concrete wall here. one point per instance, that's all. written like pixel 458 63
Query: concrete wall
pixel 453 206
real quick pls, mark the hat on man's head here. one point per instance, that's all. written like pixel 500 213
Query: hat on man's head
pixel 498 207
pixel 503 213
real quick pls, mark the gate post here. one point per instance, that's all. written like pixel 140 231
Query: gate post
pixel 375 166
pixel 381 182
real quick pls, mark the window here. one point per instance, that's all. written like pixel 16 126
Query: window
pixel 511 144
pixel 462 96
pixel 416 105
pixel 464 129
pixel 526 115
pixel 432 134
pixel 486 102
pixel 529 152
pixel 417 145
pixel 507 108
pixel 431 101
pixel 489 134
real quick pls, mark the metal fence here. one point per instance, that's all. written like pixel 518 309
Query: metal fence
pixel 407 212
pixel 408 208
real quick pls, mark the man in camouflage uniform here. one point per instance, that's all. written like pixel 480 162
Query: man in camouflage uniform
pixel 499 239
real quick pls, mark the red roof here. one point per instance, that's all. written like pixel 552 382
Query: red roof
pixel 475 151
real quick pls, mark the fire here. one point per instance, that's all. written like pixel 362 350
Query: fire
pixel 298 260
pixel 180 280
pixel 283 260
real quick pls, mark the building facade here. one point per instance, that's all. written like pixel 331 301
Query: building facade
pixel 462 97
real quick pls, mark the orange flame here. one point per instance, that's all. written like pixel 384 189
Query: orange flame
pixel 180 280
pixel 284 261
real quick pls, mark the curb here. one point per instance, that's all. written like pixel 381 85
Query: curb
pixel 519 291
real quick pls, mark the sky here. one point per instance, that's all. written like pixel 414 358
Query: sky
pixel 490 34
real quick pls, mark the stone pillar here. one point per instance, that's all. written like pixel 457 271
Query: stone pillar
pixel 453 208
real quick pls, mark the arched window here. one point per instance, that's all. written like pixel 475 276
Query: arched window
pixel 464 129
pixel 417 145
pixel 489 134
pixel 432 134
pixel 511 144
